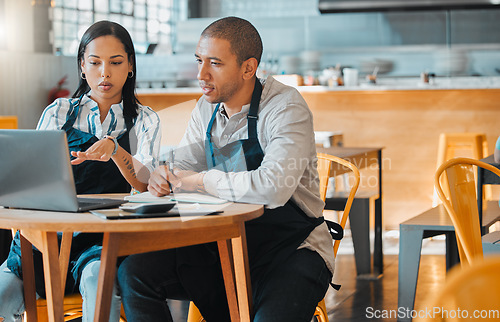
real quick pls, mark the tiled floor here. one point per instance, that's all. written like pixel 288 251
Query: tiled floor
pixel 365 300
pixel 362 300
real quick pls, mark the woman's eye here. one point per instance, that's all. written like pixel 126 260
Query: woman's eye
pixel 93 62
pixel 116 63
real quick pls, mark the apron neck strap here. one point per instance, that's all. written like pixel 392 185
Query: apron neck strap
pixel 254 110
pixel 251 117
pixel 70 120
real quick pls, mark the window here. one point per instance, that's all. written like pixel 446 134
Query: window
pixel 149 22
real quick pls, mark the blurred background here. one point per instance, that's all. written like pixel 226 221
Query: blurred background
pixel 39 39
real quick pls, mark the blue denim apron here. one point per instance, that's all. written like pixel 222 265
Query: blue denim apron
pixel 90 177
pixel 271 238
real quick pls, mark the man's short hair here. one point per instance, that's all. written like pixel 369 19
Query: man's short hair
pixel 244 39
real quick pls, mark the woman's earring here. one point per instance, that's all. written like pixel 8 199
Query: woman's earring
pixel 82 75
pixel 131 74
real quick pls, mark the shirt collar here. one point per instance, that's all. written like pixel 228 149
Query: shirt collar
pixel 243 112
pixel 86 99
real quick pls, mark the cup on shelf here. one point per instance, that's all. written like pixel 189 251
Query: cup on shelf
pixel 350 77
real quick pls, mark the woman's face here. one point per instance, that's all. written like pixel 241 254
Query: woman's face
pixel 106 67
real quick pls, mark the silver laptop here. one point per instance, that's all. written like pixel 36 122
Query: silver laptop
pixel 36 173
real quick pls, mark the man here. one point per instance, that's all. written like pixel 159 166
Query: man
pixel 249 141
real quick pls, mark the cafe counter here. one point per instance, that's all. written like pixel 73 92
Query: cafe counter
pixel 405 118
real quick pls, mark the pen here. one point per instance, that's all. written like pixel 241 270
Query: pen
pixel 170 167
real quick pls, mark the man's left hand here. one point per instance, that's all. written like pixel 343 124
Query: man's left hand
pixel 188 181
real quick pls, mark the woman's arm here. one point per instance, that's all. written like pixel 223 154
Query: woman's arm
pixel 136 174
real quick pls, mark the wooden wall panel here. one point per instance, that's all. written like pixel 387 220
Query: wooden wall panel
pixel 406 123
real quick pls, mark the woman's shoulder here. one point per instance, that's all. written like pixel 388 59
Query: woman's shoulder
pixel 61 105
pixel 145 112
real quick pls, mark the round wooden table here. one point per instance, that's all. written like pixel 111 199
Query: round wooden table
pixel 131 236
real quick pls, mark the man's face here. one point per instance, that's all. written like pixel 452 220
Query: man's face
pixel 219 74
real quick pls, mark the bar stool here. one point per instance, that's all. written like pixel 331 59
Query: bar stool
pixel 474 144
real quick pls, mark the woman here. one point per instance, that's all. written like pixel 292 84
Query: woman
pixel 114 143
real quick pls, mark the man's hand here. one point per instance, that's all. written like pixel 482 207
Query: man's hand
pixel 99 151
pixel 188 181
pixel 159 184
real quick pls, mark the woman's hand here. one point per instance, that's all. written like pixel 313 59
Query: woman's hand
pixel 99 151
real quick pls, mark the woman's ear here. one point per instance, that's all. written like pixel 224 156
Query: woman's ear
pixel 250 68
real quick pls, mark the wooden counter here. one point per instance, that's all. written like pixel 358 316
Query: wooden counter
pixel 406 122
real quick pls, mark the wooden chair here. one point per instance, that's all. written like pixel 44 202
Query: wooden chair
pixel 453 145
pixel 461 204
pixel 328 166
pixel 472 290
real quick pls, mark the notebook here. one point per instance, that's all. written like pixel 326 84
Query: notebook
pixel 186 211
pixel 36 173
pixel 189 197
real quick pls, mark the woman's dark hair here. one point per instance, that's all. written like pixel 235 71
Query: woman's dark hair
pixel 109 28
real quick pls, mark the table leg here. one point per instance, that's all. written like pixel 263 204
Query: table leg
pixel 225 253
pixel 452 256
pixel 65 250
pixel 107 273
pixel 28 279
pixel 242 273
pixel 378 258
pixel 53 282
pixel 359 217
pixel 480 182
pixel 410 247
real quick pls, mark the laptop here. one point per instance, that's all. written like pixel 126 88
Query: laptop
pixel 36 173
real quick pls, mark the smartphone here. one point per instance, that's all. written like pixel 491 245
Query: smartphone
pixel 148 208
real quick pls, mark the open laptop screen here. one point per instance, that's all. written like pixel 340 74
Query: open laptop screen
pixel 36 173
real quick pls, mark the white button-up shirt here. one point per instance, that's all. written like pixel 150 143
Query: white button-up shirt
pixel 144 137
pixel 289 168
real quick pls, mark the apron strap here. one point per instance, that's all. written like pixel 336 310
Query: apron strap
pixel 335 230
pixel 209 134
pixel 70 120
pixel 254 110
pixel 251 118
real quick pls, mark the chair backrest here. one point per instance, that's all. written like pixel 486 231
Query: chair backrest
pixel 469 293
pixel 452 145
pixel 8 122
pixel 461 203
pixel 328 166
